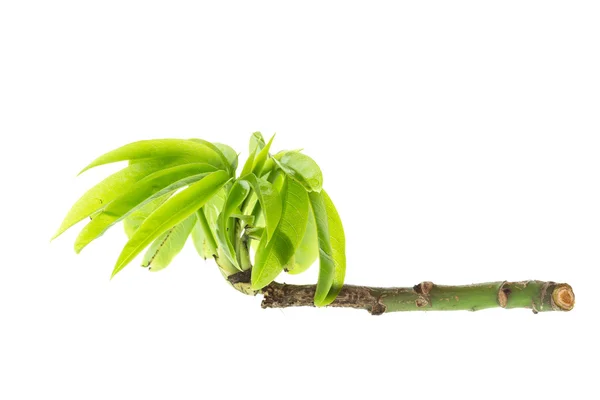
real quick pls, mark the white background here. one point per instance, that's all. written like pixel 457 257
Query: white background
pixel 459 141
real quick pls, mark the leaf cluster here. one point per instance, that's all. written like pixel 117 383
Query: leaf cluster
pixel 273 216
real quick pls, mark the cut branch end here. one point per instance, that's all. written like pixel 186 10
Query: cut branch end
pixel 563 297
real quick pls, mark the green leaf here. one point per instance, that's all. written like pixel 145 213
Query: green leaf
pixel 228 160
pixel 272 256
pixel 197 150
pixel 134 219
pixel 225 226
pixel 246 219
pixel 332 248
pixel 256 154
pixel 301 168
pixel 203 235
pixel 268 167
pixel 276 179
pixel 256 142
pixel 229 153
pixel 138 194
pixel 204 232
pixel 168 245
pixel 109 189
pixel 249 164
pixel 308 250
pixel 261 157
pixel 270 201
pixel 212 209
pixel 255 233
pixel 171 213
pixel 224 265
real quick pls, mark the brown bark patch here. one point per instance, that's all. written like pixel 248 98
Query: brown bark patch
pixel 423 288
pixel 503 294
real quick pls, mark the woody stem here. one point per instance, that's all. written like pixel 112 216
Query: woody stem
pixel 538 296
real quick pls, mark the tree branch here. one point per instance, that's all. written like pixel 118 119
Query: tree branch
pixel 539 296
pixel 535 295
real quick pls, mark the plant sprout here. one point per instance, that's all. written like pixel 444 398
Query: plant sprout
pixel 272 217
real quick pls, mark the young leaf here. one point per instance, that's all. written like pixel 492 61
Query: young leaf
pixel 229 153
pixel 272 256
pixel 134 219
pixel 332 248
pixel 276 179
pixel 256 142
pixel 261 157
pixel 224 152
pixel 171 213
pixel 197 150
pixel 269 200
pixel 225 226
pixel 106 191
pixel 308 249
pixel 204 232
pixel 256 154
pixel 247 169
pixel 301 168
pixel 212 209
pixel 255 233
pixel 143 191
pixel 246 219
pixel 203 236
pixel 268 166
pixel 168 245
pixel 224 265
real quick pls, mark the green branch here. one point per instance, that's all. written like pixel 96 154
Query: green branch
pixel 535 295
